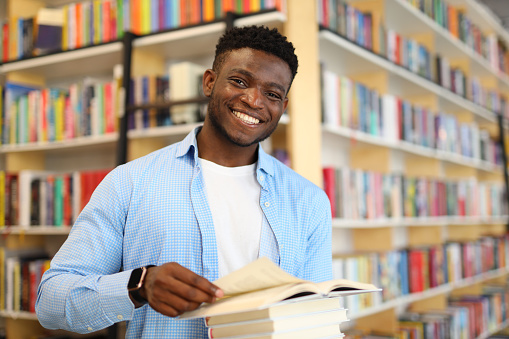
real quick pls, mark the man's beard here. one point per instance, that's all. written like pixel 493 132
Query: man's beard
pixel 214 120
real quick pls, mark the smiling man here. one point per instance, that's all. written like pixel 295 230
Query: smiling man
pixel 159 229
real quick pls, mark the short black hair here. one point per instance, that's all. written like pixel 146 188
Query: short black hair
pixel 256 37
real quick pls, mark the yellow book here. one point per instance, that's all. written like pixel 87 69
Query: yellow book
pixel 2 200
pixel 59 117
pixel 97 22
pixel 255 6
pixel 145 16
pixel 65 28
pixel 16 286
pixel 13 117
pixel 2 281
pixel 13 40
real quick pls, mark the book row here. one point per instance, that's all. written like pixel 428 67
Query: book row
pixel 31 114
pixel 460 26
pixel 414 270
pixel 21 271
pixel 357 194
pixel 351 104
pixel 182 82
pixel 94 22
pixel 357 27
pixel 90 107
pixel 42 198
pixel 465 316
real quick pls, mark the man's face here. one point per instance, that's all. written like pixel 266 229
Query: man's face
pixel 247 95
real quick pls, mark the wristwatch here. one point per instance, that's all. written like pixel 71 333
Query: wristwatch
pixel 136 282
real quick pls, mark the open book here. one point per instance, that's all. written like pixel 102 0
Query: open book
pixel 262 283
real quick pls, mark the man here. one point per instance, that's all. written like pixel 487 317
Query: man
pixel 197 210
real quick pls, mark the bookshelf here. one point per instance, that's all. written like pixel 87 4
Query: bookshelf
pixel 348 146
pixel 310 143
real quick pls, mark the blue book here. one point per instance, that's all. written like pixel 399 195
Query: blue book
pixel 126 9
pixel 175 11
pixel 403 272
pixel 168 18
pixel 154 16
pixel 145 85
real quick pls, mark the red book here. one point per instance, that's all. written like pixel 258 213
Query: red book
pixel 415 271
pixel 161 15
pixel 325 13
pixel 67 208
pixel 108 108
pixel 32 283
pixel 399 117
pixel 106 22
pixel 329 184
pixel 5 42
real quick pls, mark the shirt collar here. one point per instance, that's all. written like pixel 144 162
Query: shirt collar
pixel 265 161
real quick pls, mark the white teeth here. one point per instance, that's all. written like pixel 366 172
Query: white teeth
pixel 246 118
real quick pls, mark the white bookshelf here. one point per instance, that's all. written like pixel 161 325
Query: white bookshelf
pixel 432 292
pixel 407 147
pixel 402 81
pixel 416 221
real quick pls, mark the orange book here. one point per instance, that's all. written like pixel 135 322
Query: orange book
pixel 183 11
pixel 255 6
pixel 194 12
pixel 453 22
pixel 136 16
pixel 79 25
pixel 228 6
pixel 208 10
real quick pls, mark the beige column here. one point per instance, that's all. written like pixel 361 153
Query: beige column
pixel 304 131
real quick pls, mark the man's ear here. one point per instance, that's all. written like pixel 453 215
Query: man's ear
pixel 209 78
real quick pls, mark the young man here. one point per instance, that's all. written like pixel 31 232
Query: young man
pixel 158 229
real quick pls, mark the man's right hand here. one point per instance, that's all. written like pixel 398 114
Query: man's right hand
pixel 172 289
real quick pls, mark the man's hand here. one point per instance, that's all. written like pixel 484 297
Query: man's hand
pixel 172 289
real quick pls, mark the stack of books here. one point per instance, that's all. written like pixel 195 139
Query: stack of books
pixel 263 301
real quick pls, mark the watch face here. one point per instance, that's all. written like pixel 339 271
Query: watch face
pixel 135 280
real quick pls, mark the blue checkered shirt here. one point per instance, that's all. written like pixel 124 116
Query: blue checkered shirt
pixel 154 210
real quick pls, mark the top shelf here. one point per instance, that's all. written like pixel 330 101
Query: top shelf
pixel 403 17
pixel 183 42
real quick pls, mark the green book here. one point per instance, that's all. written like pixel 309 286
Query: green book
pixel 58 201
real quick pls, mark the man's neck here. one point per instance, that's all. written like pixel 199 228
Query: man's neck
pixel 222 152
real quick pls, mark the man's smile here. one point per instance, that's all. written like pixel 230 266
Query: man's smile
pixel 246 118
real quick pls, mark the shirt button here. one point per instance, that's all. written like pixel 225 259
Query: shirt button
pixel 267 204
pixel 90 328
pixel 120 317
pixel 262 177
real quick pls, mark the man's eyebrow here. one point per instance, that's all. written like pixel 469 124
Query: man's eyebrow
pixel 251 75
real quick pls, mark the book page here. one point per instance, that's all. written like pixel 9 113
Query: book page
pixel 259 274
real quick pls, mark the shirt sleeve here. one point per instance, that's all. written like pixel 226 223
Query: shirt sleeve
pixel 318 263
pixel 84 290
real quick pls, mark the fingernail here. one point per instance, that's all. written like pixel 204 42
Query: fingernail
pixel 219 293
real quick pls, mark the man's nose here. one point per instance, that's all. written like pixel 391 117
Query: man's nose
pixel 253 97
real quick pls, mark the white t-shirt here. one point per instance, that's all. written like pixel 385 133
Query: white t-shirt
pixel 233 194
